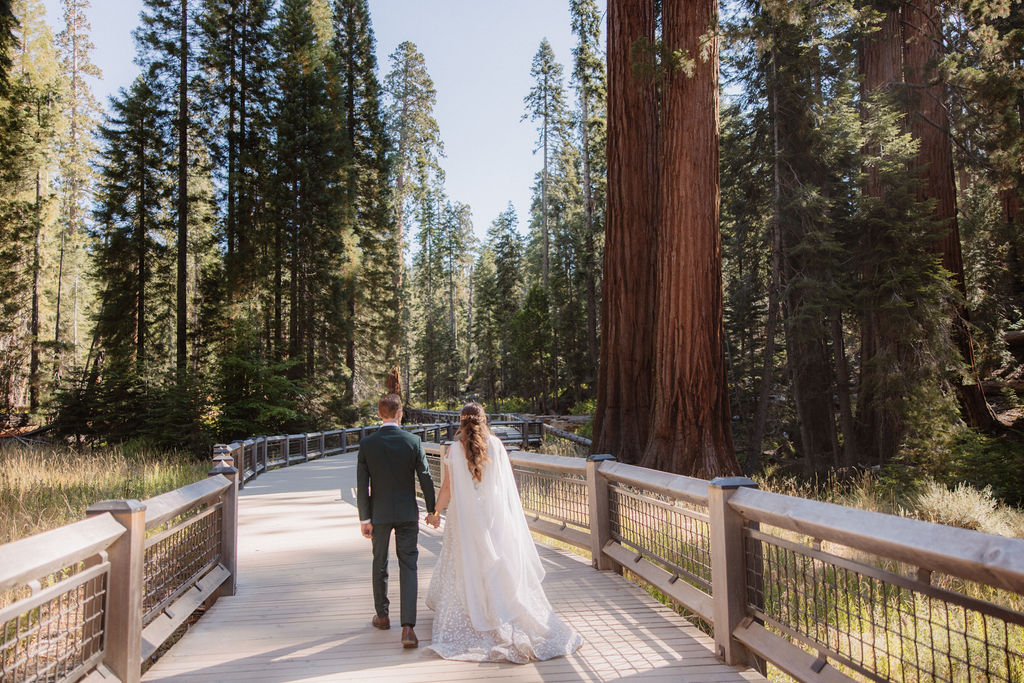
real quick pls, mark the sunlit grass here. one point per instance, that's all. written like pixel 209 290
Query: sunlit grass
pixel 43 488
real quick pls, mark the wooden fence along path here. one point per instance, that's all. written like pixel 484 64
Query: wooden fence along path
pixel 820 591
pixel 303 606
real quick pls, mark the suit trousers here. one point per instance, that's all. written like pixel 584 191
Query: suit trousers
pixel 406 547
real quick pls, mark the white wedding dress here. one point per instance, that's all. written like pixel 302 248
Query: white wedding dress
pixel 486 591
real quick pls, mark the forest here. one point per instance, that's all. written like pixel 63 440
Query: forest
pixel 255 234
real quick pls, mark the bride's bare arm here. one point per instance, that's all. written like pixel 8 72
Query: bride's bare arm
pixel 442 502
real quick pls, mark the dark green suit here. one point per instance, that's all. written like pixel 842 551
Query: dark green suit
pixel 388 462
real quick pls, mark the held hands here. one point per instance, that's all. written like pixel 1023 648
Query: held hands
pixel 434 520
pixel 367 529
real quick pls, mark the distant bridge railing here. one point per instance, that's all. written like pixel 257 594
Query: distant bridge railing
pixel 821 591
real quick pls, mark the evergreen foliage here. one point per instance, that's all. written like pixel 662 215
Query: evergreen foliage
pixel 321 249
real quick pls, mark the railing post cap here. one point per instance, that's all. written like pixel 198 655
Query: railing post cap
pixel 227 471
pixel 115 506
pixel 600 457
pixel 733 483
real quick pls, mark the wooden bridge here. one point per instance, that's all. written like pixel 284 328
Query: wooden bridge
pixel 303 606
pixel 818 591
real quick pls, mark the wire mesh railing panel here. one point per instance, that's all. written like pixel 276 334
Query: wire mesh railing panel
pixel 275 451
pixel 177 557
pixel 670 533
pixel 247 459
pixel 554 495
pixel 333 442
pixel 882 624
pixel 295 448
pixel 56 634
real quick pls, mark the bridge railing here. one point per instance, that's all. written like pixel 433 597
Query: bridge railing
pixel 823 592
pixel 103 594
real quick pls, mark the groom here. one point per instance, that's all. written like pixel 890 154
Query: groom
pixel 388 461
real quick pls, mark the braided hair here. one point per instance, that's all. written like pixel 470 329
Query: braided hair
pixel 473 432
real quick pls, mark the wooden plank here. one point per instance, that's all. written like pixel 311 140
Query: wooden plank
pixel 100 675
pixel 568 436
pixel 984 558
pixel 168 505
pixel 161 628
pixel 685 594
pixel 788 657
pixel 36 556
pixel 564 533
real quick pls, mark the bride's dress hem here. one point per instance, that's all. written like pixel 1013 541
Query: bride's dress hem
pixel 524 627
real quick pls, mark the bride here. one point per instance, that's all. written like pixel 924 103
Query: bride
pixel 486 588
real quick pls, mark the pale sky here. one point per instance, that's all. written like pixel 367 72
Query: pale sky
pixel 477 51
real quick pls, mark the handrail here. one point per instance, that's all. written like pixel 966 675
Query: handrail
pixel 949 550
pixel 169 505
pixel 27 559
pixel 665 483
pixel 551 463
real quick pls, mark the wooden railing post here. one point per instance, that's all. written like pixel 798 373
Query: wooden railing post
pixel 263 452
pixel 524 427
pixel 123 633
pixel 728 569
pixel 229 527
pixel 323 445
pixel 597 494
pixel 305 447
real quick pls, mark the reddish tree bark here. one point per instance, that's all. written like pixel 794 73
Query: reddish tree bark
pixel 928 122
pixel 690 433
pixel 622 418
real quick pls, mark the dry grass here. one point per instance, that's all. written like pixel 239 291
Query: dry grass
pixel 46 487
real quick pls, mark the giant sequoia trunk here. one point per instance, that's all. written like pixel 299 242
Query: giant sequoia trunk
pixel 929 124
pixel 624 397
pixel 690 433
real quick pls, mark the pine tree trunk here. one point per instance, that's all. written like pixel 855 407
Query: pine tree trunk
pixel 182 302
pixel 929 124
pixel 593 351
pixel 37 222
pixel 140 254
pixel 761 417
pixel 691 432
pixel 849 446
pixel 625 382
pixel 807 351
pixel 278 289
pixel 880 426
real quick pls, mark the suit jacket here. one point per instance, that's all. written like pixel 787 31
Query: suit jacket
pixel 388 461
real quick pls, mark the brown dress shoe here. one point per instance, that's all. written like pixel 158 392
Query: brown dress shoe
pixel 409 638
pixel 383 623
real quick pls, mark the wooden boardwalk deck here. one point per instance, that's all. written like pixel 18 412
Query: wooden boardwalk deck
pixel 303 607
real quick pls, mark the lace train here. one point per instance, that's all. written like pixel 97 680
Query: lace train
pixel 454 637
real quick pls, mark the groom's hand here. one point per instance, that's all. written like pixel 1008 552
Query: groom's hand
pixel 367 529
